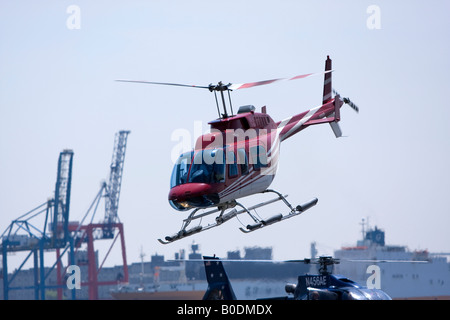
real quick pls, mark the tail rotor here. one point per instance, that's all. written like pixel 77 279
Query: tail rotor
pixel 347 101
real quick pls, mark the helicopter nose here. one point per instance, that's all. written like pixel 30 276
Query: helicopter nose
pixel 185 191
pixel 192 195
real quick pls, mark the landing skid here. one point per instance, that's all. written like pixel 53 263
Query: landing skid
pixel 223 217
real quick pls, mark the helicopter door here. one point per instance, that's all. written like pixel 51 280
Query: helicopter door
pixel 260 163
pixel 232 166
pixel 242 161
pixel 244 188
pixel 232 177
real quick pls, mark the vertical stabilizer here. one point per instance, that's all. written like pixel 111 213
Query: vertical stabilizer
pixel 327 89
pixel 219 287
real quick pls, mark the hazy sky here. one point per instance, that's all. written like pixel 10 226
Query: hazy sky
pixel 57 91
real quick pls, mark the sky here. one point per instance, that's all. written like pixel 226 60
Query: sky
pixel 59 60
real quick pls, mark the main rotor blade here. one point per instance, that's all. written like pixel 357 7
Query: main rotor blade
pixel 306 261
pixel 164 83
pixel 238 86
pixel 241 260
pixel 385 261
pixel 221 87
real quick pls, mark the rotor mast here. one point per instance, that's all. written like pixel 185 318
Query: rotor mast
pixel 221 88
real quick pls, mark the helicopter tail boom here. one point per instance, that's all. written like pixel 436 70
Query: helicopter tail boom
pixel 328 112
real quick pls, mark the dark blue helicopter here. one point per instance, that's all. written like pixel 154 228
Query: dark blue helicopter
pixel 322 286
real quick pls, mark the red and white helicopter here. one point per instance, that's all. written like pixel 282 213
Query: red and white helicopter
pixel 239 157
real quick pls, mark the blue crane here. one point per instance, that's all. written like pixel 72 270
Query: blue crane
pixel 23 234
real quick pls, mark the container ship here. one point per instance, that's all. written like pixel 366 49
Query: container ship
pixel 403 274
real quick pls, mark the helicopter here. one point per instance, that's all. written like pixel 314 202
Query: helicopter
pixel 239 157
pixel 321 286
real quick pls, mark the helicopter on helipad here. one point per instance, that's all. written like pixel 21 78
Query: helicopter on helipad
pixel 322 286
pixel 239 157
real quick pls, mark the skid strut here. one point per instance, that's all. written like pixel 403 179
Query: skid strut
pixel 225 216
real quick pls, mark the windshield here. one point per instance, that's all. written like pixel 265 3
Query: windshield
pixel 365 294
pixel 208 166
pixel 181 169
pixel 374 294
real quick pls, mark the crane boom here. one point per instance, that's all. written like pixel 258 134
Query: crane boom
pixel 115 181
pixel 60 221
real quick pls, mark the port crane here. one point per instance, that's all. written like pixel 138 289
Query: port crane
pixel 27 234
pixel 106 229
pixel 24 235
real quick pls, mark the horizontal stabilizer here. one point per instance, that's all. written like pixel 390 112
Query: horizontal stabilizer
pixel 336 129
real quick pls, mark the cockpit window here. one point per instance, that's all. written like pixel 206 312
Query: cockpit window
pixel 208 166
pixel 181 169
